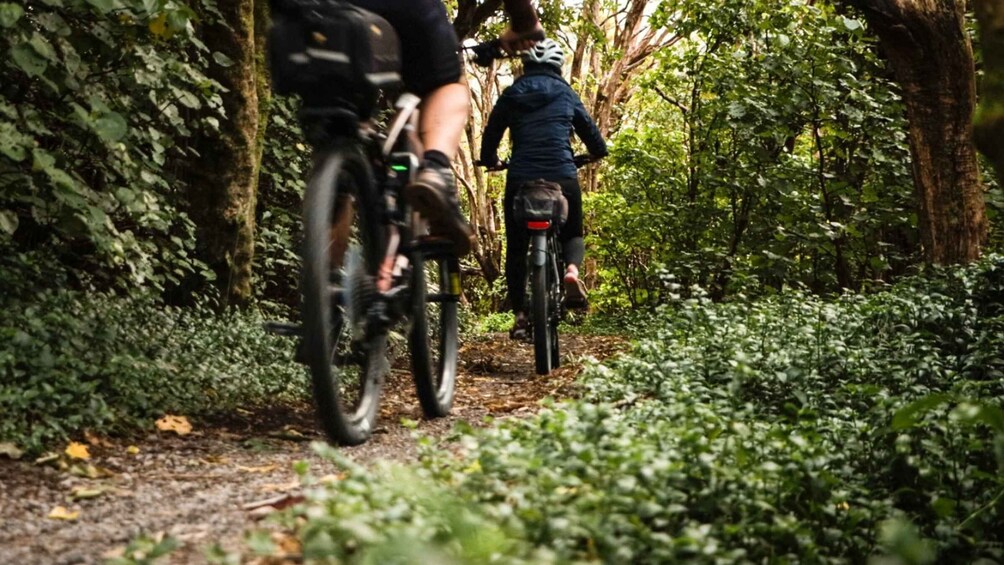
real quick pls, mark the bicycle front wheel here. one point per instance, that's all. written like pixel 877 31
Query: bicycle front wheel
pixel 342 247
pixel 433 337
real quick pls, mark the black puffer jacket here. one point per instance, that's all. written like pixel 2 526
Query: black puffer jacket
pixel 541 110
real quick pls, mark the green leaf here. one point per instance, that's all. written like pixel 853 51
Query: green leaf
pixel 42 46
pixel 8 221
pixel 28 60
pixel 111 126
pixel 907 416
pixel 222 60
pixel 102 6
pixel 10 14
pixel 852 24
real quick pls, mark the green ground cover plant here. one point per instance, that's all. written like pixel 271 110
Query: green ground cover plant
pixel 72 361
pixel 794 429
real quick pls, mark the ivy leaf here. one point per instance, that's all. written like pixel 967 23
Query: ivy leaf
pixel 851 24
pixel 222 60
pixel 10 14
pixel 8 224
pixel 28 60
pixel 102 6
pixel 42 46
pixel 111 126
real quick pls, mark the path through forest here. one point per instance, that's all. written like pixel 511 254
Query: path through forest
pixel 211 484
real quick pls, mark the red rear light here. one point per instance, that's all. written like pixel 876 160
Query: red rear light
pixel 539 225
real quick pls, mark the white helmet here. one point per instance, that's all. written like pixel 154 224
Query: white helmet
pixel 547 52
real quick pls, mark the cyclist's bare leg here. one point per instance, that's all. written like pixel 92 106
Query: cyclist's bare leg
pixel 444 115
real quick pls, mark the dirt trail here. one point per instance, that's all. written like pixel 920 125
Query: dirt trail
pixel 197 488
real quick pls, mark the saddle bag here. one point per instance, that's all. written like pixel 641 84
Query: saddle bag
pixel 332 54
pixel 540 200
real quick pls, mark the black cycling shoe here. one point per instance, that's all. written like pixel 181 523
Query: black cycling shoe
pixel 434 195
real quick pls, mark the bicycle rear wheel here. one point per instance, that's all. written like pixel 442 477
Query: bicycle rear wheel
pixel 433 338
pixel 342 247
pixel 539 303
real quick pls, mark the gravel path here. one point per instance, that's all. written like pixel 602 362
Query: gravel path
pixel 197 488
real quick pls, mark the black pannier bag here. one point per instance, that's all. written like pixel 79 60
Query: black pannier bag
pixel 332 54
pixel 540 200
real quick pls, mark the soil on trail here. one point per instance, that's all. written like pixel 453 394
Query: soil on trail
pixel 203 488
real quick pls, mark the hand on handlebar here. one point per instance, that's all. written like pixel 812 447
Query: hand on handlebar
pixel 512 41
pixel 498 165
pixel 583 160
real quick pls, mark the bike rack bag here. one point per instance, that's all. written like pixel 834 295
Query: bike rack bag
pixel 540 200
pixel 332 54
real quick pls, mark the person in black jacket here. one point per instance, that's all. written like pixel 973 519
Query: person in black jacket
pixel 541 111
pixel 432 69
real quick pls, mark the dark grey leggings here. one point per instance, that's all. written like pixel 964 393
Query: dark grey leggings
pixel 517 238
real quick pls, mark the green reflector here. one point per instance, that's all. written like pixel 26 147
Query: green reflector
pixel 400 168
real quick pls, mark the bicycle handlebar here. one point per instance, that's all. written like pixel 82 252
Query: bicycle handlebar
pixel 579 160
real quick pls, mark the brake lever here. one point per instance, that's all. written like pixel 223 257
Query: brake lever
pixel 486 53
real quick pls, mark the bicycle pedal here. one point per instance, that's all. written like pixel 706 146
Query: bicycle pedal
pixel 283 329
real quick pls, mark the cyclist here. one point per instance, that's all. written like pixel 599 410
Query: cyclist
pixel 432 69
pixel 541 110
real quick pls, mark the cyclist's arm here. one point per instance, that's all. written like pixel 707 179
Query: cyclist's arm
pixel 522 14
pixel 498 122
pixel 525 29
pixel 587 131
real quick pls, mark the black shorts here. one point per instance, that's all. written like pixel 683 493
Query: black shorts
pixel 430 52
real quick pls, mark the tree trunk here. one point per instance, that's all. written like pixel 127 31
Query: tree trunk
pixel 931 56
pixel 990 116
pixel 223 179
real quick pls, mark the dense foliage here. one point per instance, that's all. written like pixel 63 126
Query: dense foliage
pixel 768 148
pixel 71 362
pixel 792 429
pixel 96 102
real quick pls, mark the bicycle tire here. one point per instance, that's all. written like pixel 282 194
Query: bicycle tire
pixel 541 320
pixel 433 339
pixel 332 287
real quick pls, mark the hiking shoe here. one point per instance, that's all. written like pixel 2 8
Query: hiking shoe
pixel 434 195
pixel 520 329
pixel 575 293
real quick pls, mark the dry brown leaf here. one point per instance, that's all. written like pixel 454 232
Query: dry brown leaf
pixel 77 451
pixel 61 513
pixel 95 440
pixel 271 487
pixel 177 424
pixel 263 470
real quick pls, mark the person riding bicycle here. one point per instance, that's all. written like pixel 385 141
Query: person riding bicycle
pixel 541 110
pixel 431 67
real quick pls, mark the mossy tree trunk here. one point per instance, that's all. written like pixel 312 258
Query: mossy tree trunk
pixel 990 115
pixel 931 56
pixel 223 179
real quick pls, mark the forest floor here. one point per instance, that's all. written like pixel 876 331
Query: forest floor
pixel 210 485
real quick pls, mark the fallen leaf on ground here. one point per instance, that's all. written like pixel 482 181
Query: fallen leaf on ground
pixel 176 424
pixel 132 450
pixel 265 469
pixel 271 487
pixel 61 513
pixel 95 440
pixel 90 471
pixel 82 492
pixel 47 458
pixel 77 451
pixel 10 450
pixel 275 503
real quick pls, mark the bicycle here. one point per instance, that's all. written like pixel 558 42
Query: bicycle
pixel 368 263
pixel 545 270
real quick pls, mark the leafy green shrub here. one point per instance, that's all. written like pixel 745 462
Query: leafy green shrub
pixel 73 361
pixel 791 429
pixel 495 322
pixel 95 99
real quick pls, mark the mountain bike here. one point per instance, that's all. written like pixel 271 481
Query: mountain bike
pixel 368 263
pixel 545 268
